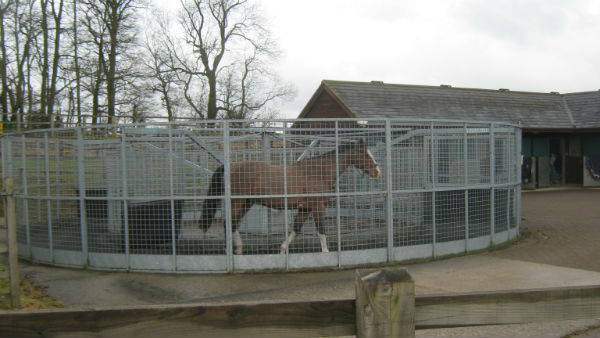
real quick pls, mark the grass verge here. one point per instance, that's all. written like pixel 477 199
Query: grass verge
pixel 33 296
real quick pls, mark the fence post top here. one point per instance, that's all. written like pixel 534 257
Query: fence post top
pixel 387 275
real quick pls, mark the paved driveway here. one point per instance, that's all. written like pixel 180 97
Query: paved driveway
pixel 560 227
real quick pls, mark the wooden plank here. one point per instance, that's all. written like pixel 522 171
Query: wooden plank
pixel 303 319
pixel 508 307
pixel 300 319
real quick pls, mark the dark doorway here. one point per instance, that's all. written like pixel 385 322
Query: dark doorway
pixel 574 170
pixel 556 161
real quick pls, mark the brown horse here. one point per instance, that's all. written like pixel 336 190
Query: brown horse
pixel 316 175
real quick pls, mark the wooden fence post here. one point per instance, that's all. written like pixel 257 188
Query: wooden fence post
pixel 11 226
pixel 385 303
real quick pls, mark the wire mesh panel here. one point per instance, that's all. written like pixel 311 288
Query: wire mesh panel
pixel 200 151
pixel 410 155
pixel 450 215
pixel 479 212
pixel 478 154
pixel 264 194
pixel 501 210
pixel 413 219
pixel 448 154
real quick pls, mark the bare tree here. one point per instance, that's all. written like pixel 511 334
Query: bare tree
pixel 160 63
pixel 76 102
pixel 32 61
pixel 92 59
pixel 228 44
pixel 111 29
pixel 118 21
pixel 250 87
pixel 19 61
pixel 84 55
pixel 50 64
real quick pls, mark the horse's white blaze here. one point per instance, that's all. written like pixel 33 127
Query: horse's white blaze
pixel 288 241
pixel 237 240
pixel 324 247
pixel 376 165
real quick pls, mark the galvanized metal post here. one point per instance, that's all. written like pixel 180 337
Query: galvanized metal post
pixel 227 201
pixel 517 182
pixel 509 202
pixel 172 202
pixel 266 157
pixel 56 174
pixel 37 183
pixel 82 193
pixel 466 183
pixel 337 195
pixel 389 190
pixel 25 194
pixel 509 179
pixel 125 197
pixel 492 184
pixel 433 192
pixel 285 193
pixel 48 201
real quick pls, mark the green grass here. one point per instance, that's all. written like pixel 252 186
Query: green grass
pixel 33 296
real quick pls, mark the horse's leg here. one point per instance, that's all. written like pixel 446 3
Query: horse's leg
pixel 237 243
pixel 298 221
pixel 239 208
pixel 319 217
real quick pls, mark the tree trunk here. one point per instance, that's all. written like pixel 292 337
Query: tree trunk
pixel 211 113
pixel 44 71
pixel 96 84
pixel 55 60
pixel 111 69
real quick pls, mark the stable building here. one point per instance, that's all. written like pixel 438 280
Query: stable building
pixel 560 132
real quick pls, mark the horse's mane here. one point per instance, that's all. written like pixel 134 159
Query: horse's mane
pixel 341 149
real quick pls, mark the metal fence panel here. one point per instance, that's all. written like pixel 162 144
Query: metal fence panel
pixel 279 194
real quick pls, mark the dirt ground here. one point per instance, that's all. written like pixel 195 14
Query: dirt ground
pixel 560 227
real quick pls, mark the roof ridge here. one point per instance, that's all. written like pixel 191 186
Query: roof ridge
pixel 450 87
pixel 584 92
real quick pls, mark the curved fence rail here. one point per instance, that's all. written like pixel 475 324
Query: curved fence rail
pixel 130 197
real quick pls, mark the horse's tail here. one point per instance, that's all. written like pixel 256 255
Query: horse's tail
pixel 210 205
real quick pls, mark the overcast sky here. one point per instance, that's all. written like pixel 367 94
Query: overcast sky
pixel 526 45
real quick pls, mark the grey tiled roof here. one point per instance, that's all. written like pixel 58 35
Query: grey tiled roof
pixel 532 110
pixel 585 108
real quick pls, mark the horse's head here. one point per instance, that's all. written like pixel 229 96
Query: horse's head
pixel 365 161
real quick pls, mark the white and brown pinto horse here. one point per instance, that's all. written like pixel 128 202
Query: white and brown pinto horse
pixel 311 177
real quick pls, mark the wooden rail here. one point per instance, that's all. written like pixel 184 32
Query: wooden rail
pixel 300 319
